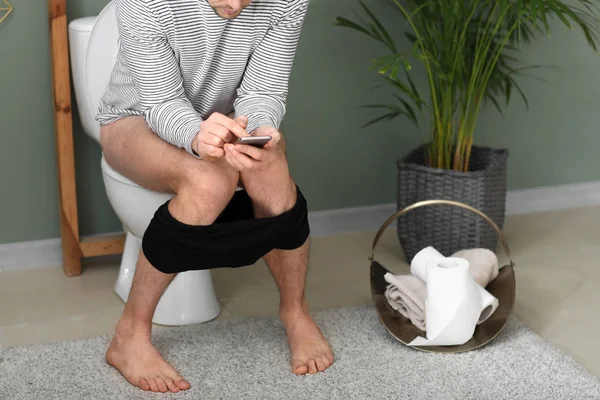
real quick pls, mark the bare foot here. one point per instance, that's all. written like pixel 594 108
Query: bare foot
pixel 142 365
pixel 310 351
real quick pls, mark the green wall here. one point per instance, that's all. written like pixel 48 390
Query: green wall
pixel 336 163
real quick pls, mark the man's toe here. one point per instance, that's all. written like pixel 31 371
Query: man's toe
pixel 161 384
pixel 312 366
pixel 182 384
pixel 330 358
pixel 144 385
pixel 170 384
pixel 300 367
pixel 321 365
pixel 153 385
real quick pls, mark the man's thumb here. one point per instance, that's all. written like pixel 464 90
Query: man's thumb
pixel 242 120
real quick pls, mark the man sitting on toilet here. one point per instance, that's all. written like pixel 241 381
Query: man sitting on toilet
pixel 191 78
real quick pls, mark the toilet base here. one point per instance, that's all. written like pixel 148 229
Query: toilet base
pixel 189 299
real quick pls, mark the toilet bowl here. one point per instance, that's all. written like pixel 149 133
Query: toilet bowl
pixel 190 298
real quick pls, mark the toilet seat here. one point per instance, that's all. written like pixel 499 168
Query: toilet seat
pixel 113 174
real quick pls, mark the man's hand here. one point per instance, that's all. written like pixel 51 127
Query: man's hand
pixel 268 131
pixel 245 157
pixel 214 132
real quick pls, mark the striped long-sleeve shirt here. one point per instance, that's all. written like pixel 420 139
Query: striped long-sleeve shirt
pixel 179 62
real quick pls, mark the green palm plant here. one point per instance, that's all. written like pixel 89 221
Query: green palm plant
pixel 469 50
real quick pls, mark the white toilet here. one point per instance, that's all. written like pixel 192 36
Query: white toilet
pixel 190 298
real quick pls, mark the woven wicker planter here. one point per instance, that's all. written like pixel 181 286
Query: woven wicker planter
pixel 450 229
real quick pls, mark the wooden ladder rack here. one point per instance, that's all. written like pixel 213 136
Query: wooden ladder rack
pixel 74 248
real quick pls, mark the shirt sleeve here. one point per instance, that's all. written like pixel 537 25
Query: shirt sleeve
pixel 155 71
pixel 263 91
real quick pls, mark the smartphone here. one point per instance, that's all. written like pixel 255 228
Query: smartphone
pixel 256 141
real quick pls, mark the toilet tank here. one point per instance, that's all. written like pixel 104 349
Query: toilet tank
pixel 79 36
pixel 94 45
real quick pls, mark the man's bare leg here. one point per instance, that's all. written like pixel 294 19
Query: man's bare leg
pixel 201 191
pixel 310 351
pixel 273 192
pixel 131 350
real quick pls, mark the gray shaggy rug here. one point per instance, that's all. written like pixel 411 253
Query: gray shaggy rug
pixel 247 358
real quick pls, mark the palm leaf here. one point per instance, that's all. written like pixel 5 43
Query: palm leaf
pixel 388 117
pixel 377 26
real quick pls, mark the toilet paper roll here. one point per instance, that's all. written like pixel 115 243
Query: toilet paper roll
pixel 453 304
pixel 418 267
pixel 489 304
pixel 447 280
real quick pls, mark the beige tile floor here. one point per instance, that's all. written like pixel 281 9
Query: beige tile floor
pixel 557 269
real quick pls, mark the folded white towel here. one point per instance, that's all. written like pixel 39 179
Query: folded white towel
pixel 406 293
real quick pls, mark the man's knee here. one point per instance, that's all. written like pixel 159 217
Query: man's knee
pixel 272 190
pixel 209 189
pixel 281 202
